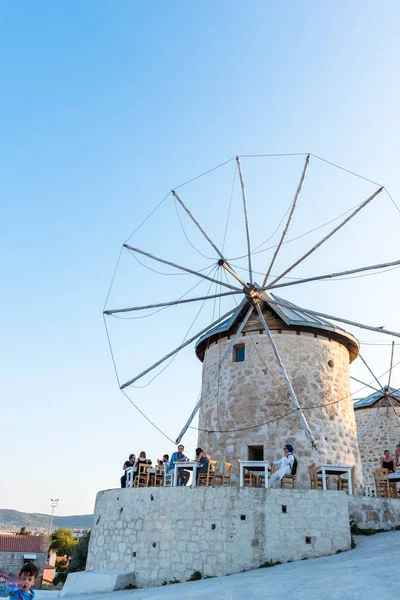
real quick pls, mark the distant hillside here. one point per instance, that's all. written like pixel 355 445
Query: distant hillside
pixel 11 519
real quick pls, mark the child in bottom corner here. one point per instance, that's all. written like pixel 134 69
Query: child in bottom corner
pixel 27 578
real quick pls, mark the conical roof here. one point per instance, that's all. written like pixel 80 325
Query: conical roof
pixel 376 396
pixel 291 315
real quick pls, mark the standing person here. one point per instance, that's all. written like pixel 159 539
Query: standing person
pixel 27 578
pixel 128 463
pixel 387 462
pixel 284 465
pixel 179 457
pixel 396 460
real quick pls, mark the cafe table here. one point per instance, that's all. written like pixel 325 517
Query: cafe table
pixel 325 470
pixel 186 465
pixel 253 465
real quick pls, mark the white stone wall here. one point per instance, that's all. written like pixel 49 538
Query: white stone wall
pixel 253 391
pixel 373 440
pixel 167 533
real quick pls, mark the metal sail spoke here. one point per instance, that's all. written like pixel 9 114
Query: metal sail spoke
pixel 370 370
pixel 303 420
pixel 331 275
pixel 186 343
pixel 368 423
pixel 246 218
pixel 391 366
pixel 172 303
pixel 171 264
pixel 185 208
pixel 367 201
pixel 363 383
pixel 288 221
pixel 215 374
pixel 340 319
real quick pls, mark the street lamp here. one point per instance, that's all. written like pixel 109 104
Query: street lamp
pixel 54 502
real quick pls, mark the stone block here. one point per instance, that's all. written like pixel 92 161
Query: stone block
pixel 96 582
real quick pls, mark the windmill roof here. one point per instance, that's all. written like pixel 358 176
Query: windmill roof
pixel 290 314
pixel 376 396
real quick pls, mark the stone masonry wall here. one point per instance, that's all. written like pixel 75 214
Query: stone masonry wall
pixel 12 562
pixel 374 513
pixel 253 391
pixel 167 533
pixel 373 440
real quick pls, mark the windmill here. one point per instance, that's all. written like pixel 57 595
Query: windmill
pixel 257 298
pixel 378 420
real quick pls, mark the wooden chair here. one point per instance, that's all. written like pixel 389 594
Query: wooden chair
pixel 142 478
pixel 159 476
pixel 343 482
pixel 225 478
pixel 209 477
pixel 382 483
pixel 289 482
pixel 316 480
pixel 249 479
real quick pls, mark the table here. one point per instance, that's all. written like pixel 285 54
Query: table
pixel 325 470
pixel 248 464
pixel 129 476
pixel 394 477
pixel 186 465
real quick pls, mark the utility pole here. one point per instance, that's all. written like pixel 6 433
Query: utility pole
pixel 54 502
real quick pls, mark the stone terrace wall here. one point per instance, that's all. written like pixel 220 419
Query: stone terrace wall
pixel 374 513
pixel 374 440
pixel 254 391
pixel 167 533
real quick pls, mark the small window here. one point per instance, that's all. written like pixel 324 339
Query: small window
pixel 255 452
pixel 239 353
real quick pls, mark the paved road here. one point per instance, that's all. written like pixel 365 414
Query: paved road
pixel 367 573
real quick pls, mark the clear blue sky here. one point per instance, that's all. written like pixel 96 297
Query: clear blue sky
pixel 105 107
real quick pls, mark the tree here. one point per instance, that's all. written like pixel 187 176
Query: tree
pixel 63 542
pixel 24 531
pixel 79 555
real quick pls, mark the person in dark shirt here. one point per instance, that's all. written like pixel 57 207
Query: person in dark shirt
pixel 387 462
pixel 128 463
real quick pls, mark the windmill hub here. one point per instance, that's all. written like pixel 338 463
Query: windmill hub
pixel 253 295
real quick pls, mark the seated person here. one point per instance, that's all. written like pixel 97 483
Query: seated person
pixel 387 462
pixel 183 476
pixel 163 461
pixel 202 458
pixel 284 465
pixel 142 460
pixel 128 463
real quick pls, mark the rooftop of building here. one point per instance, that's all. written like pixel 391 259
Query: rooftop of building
pixel 376 397
pixel 22 543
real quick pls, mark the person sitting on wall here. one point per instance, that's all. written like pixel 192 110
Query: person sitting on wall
pixel 183 476
pixel 284 465
pixel 127 464
pixel 387 462
pixel 202 458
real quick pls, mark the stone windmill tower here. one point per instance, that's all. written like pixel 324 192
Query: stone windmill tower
pixel 378 426
pixel 250 389
pixel 272 372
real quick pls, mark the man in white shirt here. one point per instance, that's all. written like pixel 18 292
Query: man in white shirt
pixel 284 465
